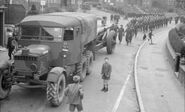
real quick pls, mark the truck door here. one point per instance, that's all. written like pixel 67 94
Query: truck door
pixel 1 28
pixel 72 42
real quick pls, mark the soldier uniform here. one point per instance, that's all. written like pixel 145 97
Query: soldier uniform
pixel 121 33
pixel 74 94
pixel 106 73
pixel 129 35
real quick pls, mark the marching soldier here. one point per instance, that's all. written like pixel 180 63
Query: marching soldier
pixel 106 73
pixel 74 94
pixel 128 37
pixel 121 33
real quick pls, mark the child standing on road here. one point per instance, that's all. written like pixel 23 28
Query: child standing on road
pixel 106 73
pixel 74 94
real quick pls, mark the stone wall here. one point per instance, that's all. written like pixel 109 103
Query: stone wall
pixel 174 44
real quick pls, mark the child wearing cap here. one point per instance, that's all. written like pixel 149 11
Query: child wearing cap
pixel 106 73
pixel 74 94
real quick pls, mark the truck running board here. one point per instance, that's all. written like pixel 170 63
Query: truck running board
pixel 31 86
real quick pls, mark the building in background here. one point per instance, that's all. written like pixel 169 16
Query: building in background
pixel 171 3
pixel 146 3
pixel 180 4
pixel 163 4
pixel 49 4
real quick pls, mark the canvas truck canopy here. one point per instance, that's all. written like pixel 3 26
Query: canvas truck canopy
pixel 87 22
pixel 49 21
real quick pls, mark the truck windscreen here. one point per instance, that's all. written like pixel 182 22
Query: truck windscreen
pixel 42 33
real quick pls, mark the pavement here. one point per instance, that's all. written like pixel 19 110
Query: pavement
pixel 160 89
pixel 122 60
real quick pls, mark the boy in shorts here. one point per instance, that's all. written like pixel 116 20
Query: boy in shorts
pixel 106 73
pixel 74 94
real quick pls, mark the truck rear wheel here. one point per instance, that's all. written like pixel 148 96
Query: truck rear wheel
pixel 110 42
pixel 82 69
pixel 5 86
pixel 55 91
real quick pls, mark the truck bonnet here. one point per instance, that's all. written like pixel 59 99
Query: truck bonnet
pixel 34 50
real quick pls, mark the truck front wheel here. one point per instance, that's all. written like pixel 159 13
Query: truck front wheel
pixel 5 85
pixel 55 91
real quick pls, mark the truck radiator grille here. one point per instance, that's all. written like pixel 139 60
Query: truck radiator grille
pixel 26 58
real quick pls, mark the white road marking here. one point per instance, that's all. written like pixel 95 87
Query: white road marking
pixel 115 108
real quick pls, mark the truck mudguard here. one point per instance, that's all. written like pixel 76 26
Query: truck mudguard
pixel 54 74
pixel 4 64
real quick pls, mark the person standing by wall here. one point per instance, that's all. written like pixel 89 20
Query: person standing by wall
pixel 74 93
pixel 150 36
pixel 106 73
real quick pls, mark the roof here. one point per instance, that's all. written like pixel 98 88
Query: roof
pixel 60 19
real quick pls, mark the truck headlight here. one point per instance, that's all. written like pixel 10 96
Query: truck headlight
pixel 33 67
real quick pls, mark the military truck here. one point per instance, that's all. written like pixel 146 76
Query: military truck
pixel 52 48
